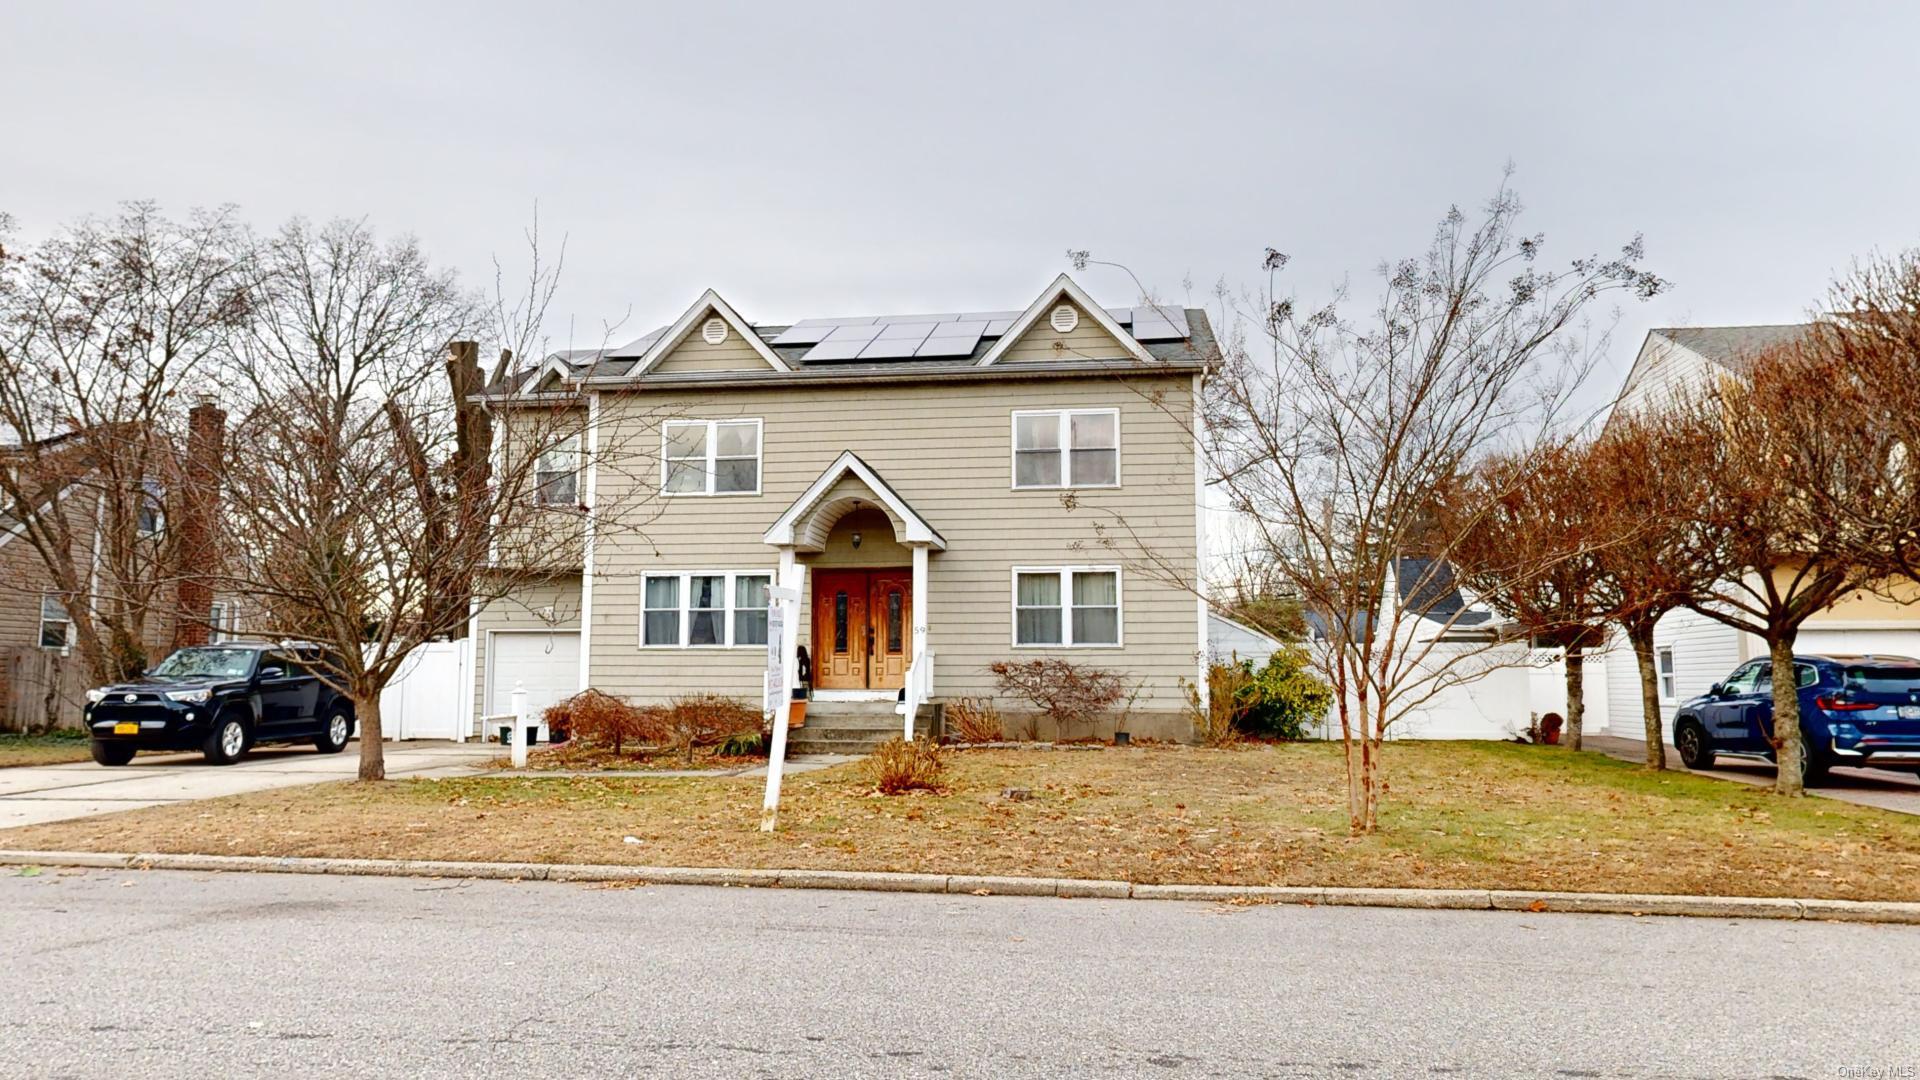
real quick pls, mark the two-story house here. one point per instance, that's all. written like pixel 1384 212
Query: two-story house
pixel 1692 651
pixel 976 486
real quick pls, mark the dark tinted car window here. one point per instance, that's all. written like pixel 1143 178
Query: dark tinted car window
pixel 206 662
pixel 1883 680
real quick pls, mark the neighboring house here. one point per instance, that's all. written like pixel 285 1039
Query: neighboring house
pixel 1691 651
pixel 1466 677
pixel 980 486
pixel 1229 640
pixel 42 678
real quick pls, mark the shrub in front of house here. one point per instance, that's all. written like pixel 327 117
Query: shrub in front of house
pixel 1284 697
pixel 899 766
pixel 593 718
pixel 707 720
pixel 1073 696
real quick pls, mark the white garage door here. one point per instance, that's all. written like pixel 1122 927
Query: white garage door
pixel 1898 642
pixel 546 663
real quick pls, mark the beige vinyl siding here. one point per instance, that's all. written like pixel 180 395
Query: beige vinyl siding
pixel 947 450
pixel 1043 342
pixel 526 609
pixel 736 353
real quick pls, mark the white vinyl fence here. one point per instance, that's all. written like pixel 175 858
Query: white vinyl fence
pixel 431 697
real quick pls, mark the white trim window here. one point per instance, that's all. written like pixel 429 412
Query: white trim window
pixel 710 457
pixel 1663 661
pixel 56 626
pixel 217 626
pixel 1066 607
pixel 704 609
pixel 150 516
pixel 1072 448
pixel 556 474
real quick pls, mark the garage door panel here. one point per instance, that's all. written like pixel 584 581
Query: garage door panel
pixel 547 664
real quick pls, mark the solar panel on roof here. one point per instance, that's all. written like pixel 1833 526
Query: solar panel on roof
pixel 997 327
pixel 915 330
pixel 1166 323
pixel 959 343
pixel 897 347
pixel 854 333
pixel 834 350
pixel 799 334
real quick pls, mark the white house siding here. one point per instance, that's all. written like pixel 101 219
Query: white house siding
pixel 1704 652
pixel 1815 638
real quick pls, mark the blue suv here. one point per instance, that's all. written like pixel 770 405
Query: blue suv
pixel 1854 710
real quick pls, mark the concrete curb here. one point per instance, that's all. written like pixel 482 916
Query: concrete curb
pixel 1717 907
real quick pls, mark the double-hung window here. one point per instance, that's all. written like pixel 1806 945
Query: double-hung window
pixel 55 625
pixel 1665 663
pixel 704 609
pixel 1070 448
pixel 150 517
pixel 1066 606
pixel 710 457
pixel 556 475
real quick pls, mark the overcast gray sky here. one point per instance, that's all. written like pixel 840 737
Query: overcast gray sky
pixel 816 159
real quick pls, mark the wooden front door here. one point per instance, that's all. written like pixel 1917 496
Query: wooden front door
pixel 861 621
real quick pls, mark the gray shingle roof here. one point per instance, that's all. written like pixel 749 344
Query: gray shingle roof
pixel 1733 347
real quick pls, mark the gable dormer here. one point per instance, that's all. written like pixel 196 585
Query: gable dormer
pixel 1065 324
pixel 711 336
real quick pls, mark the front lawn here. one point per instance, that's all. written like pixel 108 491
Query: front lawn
pixel 1467 815
pixel 53 749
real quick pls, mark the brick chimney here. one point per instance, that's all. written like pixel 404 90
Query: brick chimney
pixel 196 522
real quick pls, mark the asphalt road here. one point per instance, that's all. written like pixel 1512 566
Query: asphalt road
pixel 156 974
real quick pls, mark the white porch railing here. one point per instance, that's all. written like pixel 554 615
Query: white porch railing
pixel 919 690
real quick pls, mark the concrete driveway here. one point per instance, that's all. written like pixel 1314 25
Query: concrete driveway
pixel 34 794
pixel 1888 790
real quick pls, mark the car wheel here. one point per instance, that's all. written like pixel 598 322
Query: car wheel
pixel 1695 751
pixel 333 738
pixel 227 741
pixel 112 753
pixel 1813 766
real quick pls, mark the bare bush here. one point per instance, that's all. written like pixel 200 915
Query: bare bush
pixel 1069 694
pixel 975 720
pixel 598 719
pixel 707 720
pixel 899 766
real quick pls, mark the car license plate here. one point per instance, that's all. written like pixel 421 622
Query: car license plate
pixel 1910 712
pixel 126 729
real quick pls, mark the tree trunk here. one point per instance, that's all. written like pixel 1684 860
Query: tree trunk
pixel 1786 718
pixel 1641 634
pixel 1576 695
pixel 373 751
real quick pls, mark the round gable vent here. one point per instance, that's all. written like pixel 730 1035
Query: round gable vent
pixel 1065 318
pixel 714 331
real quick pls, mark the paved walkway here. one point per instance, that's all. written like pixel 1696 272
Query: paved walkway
pixel 31 795
pixel 1888 790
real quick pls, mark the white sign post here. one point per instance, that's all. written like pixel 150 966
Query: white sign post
pixel 783 634
pixel 518 739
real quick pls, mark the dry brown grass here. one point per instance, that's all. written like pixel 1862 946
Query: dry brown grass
pixel 1482 815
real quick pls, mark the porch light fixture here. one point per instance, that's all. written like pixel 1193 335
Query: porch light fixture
pixel 856 538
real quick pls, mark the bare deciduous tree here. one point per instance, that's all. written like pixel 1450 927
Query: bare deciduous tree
pixel 107 330
pixel 1337 444
pixel 372 497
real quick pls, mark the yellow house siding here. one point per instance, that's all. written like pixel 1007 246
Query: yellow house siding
pixel 694 354
pixel 1086 341
pixel 947 451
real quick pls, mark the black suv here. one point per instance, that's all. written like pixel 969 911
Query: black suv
pixel 221 700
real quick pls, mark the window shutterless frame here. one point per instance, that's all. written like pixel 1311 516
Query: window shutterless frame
pixel 1664 670
pixel 723 603
pixel 1064 449
pixel 712 456
pixel 1066 608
